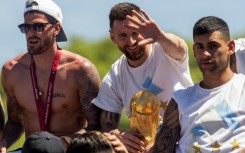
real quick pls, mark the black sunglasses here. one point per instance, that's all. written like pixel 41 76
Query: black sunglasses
pixel 38 27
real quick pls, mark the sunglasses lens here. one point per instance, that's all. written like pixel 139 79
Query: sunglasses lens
pixel 38 27
pixel 24 28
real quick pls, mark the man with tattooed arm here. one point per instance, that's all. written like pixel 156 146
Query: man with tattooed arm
pixel 209 116
pixel 153 61
pixel 48 88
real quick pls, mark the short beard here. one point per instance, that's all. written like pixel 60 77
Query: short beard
pixel 41 48
pixel 135 57
pixel 222 65
pixel 37 51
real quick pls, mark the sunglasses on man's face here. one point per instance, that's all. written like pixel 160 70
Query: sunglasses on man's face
pixel 38 27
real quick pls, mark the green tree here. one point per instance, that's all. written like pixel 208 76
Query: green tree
pixel 101 53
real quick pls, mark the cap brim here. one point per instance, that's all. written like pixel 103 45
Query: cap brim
pixel 61 36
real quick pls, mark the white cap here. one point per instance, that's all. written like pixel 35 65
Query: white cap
pixel 50 8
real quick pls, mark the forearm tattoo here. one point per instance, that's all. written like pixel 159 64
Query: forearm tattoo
pixel 93 118
pixel 13 128
pixel 12 132
pixel 169 133
pixel 109 121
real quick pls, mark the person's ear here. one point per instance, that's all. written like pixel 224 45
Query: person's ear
pixel 231 47
pixel 57 28
pixel 112 36
pixel 193 51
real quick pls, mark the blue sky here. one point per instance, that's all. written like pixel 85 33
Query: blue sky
pixel 89 18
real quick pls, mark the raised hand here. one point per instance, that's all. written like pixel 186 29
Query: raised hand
pixel 145 26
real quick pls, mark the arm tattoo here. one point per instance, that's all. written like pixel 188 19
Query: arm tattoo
pixel 93 118
pixel 168 135
pixel 89 87
pixel 12 132
pixel 13 128
pixel 109 121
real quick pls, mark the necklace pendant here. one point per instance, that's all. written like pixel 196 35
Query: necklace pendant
pixel 40 93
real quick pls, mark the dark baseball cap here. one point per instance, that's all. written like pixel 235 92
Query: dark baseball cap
pixel 43 142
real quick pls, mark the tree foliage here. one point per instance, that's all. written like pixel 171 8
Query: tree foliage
pixel 101 53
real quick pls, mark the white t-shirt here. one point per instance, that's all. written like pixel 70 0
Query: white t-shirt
pixel 212 120
pixel 240 55
pixel 160 74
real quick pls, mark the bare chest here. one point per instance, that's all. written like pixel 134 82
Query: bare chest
pixel 63 97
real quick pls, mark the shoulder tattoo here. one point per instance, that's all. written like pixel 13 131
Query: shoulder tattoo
pixel 89 82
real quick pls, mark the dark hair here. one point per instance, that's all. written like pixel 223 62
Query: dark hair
pixel 120 11
pixel 211 24
pixel 50 19
pixel 90 142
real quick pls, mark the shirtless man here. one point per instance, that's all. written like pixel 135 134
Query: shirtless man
pixel 39 100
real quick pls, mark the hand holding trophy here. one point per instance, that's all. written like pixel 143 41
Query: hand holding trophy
pixel 145 115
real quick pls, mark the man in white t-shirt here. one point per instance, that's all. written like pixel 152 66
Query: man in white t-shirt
pixel 238 58
pixel 153 60
pixel 209 116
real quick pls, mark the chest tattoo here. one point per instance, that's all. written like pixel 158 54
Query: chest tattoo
pixel 61 95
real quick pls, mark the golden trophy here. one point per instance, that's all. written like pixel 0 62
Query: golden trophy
pixel 145 115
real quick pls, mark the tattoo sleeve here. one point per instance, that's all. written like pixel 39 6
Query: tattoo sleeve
pixel 13 128
pixel 109 121
pixel 12 132
pixel 88 88
pixel 93 117
pixel 168 135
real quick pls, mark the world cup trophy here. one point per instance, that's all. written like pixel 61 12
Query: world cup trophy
pixel 145 115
